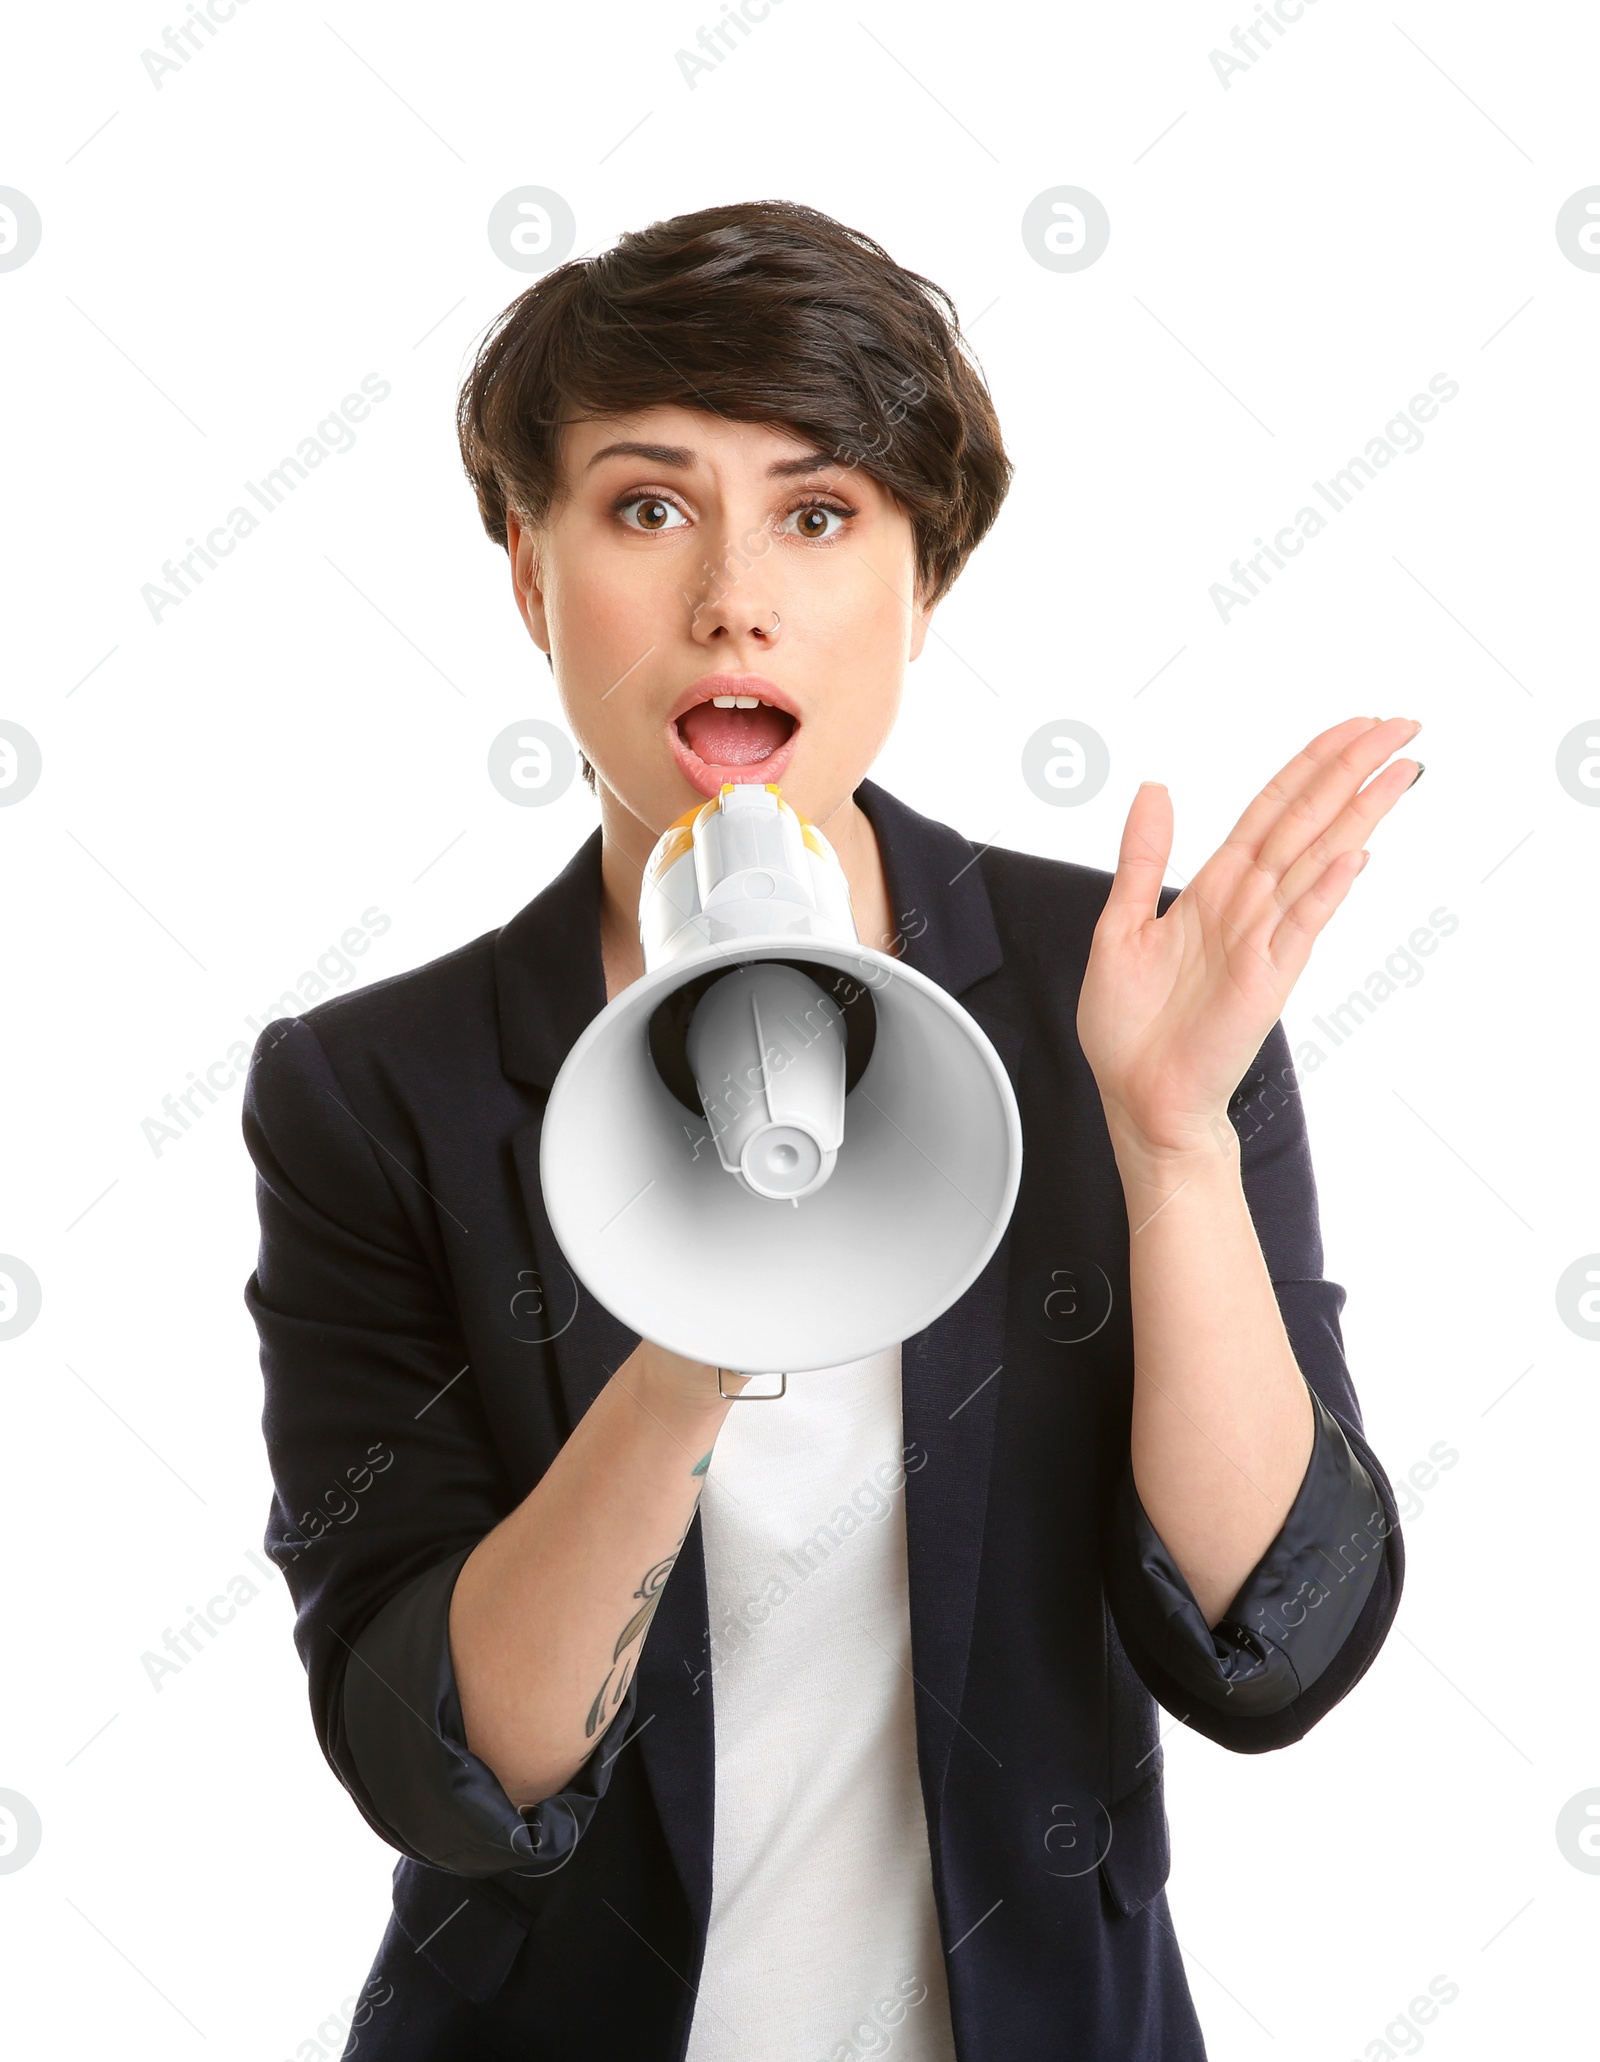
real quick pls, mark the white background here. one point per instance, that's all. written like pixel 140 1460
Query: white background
pixel 225 792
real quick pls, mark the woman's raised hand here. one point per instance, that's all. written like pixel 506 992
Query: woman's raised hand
pixel 1175 1007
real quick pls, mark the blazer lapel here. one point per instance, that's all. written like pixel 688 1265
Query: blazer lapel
pixel 950 1386
pixel 550 983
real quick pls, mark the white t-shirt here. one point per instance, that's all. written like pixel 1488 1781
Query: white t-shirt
pixel 823 1943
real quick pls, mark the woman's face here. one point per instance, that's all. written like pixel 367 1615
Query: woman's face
pixel 689 557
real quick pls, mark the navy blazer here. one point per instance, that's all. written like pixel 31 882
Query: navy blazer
pixel 426 1350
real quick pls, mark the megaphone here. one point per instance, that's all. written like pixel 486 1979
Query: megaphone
pixel 780 1149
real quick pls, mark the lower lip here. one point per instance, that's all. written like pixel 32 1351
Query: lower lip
pixel 709 779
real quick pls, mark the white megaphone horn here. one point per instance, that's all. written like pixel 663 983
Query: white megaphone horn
pixel 779 1149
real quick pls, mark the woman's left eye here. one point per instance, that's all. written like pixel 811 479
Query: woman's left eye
pixel 809 511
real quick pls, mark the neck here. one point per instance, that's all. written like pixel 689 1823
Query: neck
pixel 626 843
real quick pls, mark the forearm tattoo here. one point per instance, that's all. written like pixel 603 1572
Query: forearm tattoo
pixel 650 1592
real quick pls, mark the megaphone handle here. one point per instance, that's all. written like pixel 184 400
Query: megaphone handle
pixel 744 1395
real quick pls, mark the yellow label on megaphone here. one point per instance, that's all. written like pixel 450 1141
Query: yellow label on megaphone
pixel 744 864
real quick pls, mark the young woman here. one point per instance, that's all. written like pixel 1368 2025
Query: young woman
pixel 800 1731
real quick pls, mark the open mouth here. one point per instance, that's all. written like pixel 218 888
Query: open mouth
pixel 737 736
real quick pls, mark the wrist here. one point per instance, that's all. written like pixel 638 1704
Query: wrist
pixel 676 1386
pixel 1207 1160
pixel 1189 1140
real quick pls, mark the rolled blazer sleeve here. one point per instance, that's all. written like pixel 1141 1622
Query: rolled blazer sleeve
pixel 385 1477
pixel 1311 1615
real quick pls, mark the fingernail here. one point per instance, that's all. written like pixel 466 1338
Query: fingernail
pixel 1361 869
pixel 1411 783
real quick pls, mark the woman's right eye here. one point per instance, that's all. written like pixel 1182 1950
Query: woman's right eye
pixel 654 513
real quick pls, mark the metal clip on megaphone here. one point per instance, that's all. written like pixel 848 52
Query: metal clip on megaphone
pixel 830 1075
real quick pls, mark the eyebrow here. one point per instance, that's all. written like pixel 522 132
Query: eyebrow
pixel 680 456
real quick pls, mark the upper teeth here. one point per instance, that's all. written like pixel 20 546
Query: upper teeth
pixel 736 701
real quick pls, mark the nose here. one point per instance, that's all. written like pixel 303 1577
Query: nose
pixel 731 607
pixel 711 621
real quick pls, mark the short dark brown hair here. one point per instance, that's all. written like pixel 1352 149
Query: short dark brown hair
pixel 760 311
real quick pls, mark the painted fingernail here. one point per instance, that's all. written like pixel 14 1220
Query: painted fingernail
pixel 1411 783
